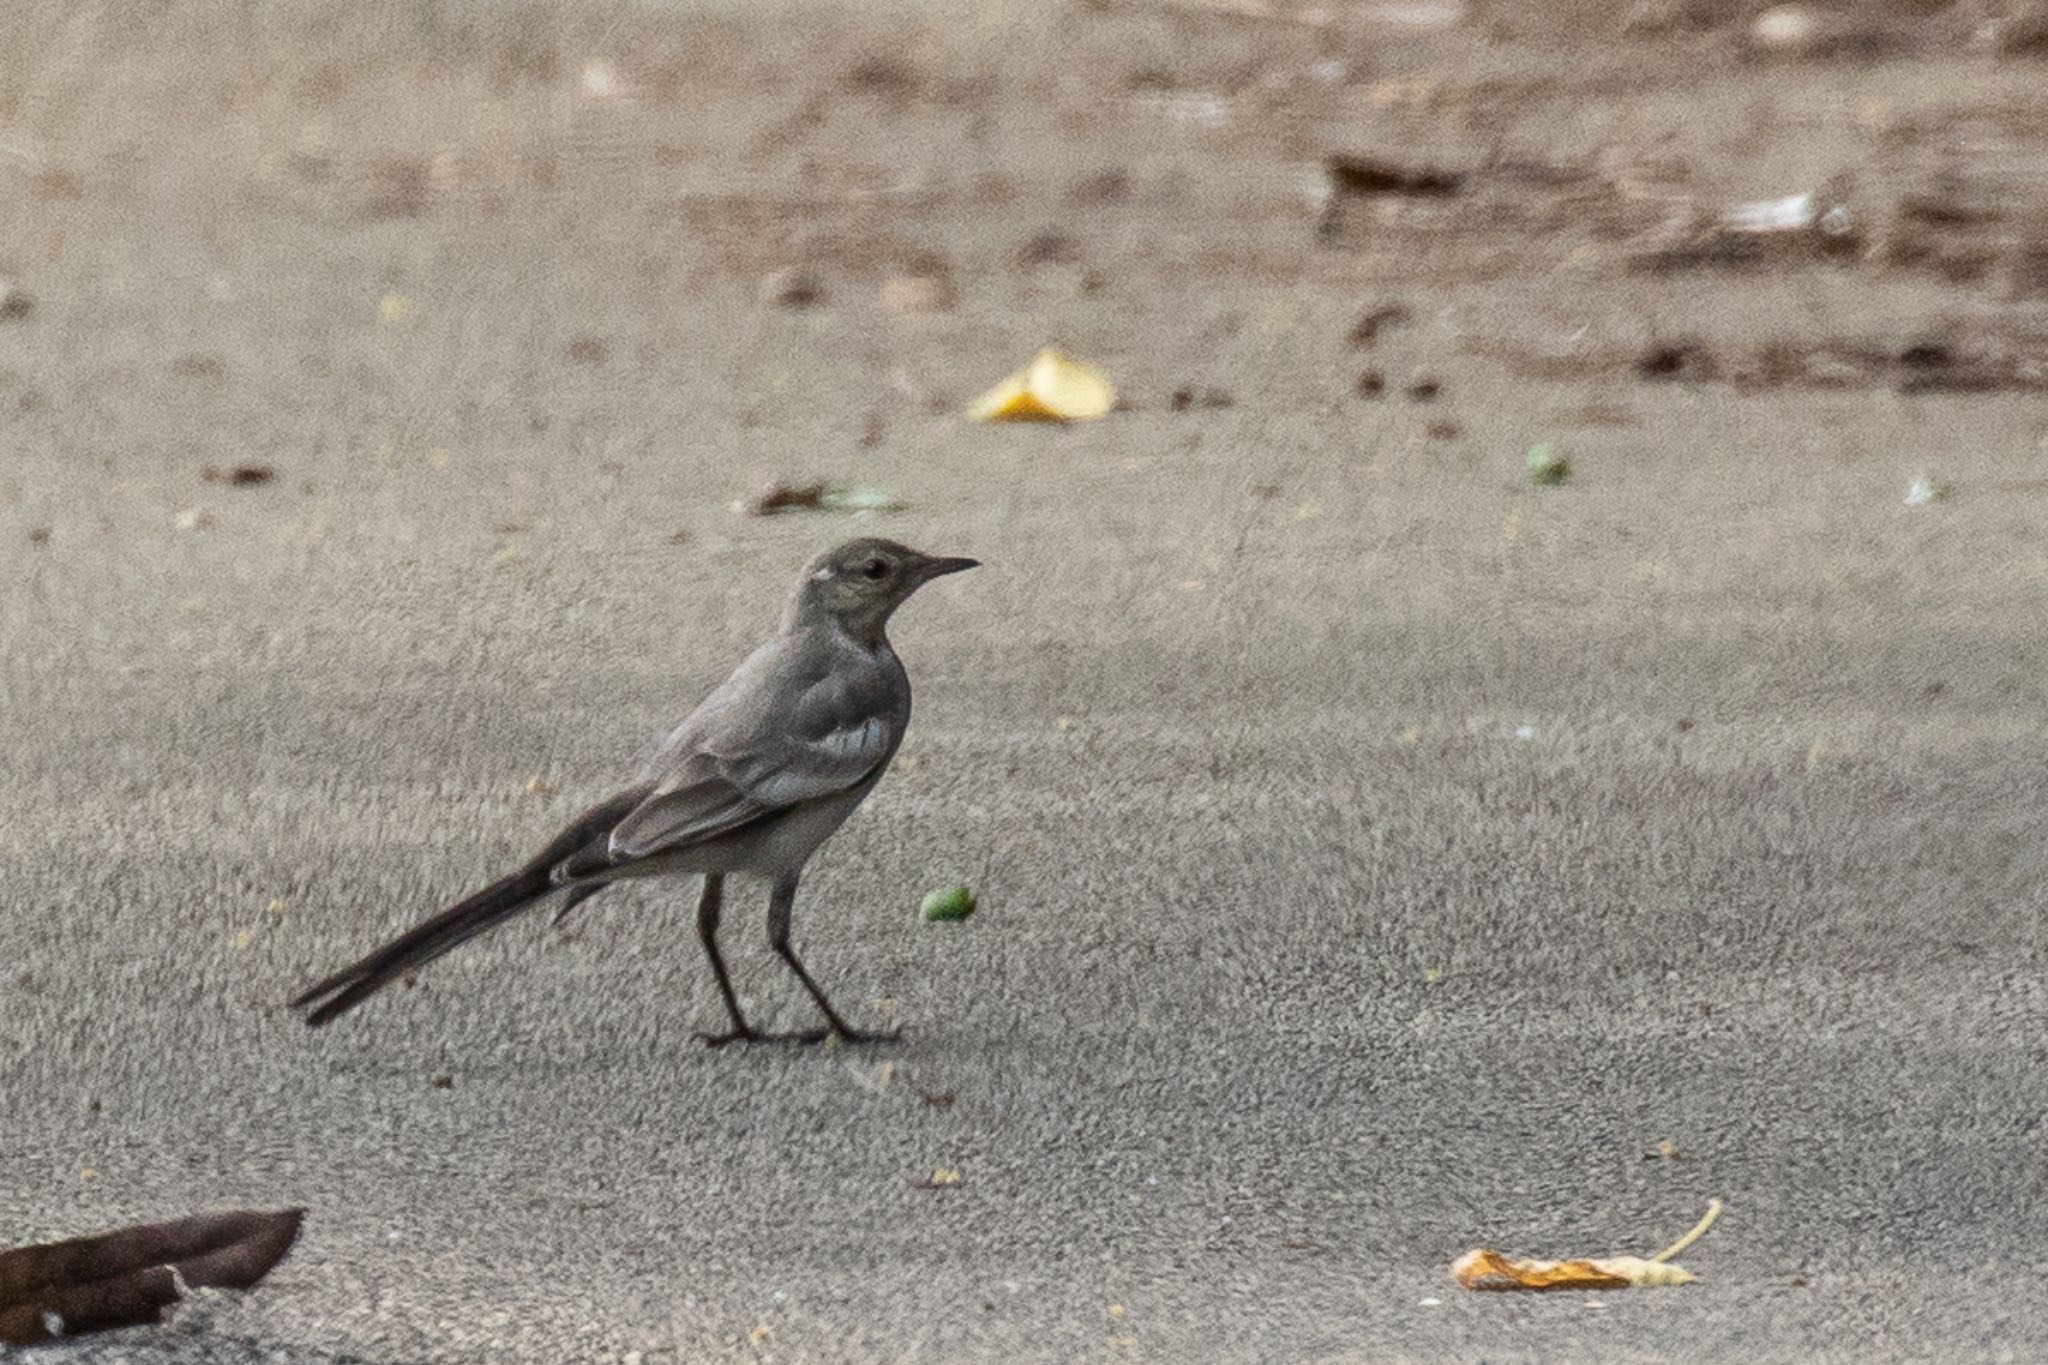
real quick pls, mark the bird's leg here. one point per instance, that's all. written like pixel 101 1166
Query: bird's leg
pixel 781 901
pixel 707 931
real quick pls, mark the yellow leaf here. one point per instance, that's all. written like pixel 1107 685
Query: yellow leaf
pixel 394 307
pixel 1052 388
pixel 1482 1269
pixel 945 1175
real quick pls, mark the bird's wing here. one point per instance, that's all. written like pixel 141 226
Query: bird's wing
pixel 818 737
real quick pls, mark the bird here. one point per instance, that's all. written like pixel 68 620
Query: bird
pixel 752 782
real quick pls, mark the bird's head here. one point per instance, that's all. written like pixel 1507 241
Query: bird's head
pixel 858 584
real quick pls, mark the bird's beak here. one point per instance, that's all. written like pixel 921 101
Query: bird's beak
pixel 939 568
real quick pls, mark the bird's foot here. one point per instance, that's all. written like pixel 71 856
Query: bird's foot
pixel 854 1036
pixel 801 1037
pixel 742 1034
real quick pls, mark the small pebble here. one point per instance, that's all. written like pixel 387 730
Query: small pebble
pixel 1785 28
pixel 792 287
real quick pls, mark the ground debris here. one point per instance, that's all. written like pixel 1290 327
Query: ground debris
pixel 1481 1269
pixel 1813 225
pixel 1052 388
pixel 791 287
pixel 1367 175
pixel 1548 465
pixel 1924 491
pixel 820 496
pixel 239 476
pixel 1188 396
pixel 925 287
pixel 948 904
pixel 1366 332
pixel 1974 357
pixel 15 304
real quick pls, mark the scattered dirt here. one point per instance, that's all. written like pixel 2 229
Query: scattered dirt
pixel 239 476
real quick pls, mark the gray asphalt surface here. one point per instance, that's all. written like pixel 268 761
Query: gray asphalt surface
pixel 1379 856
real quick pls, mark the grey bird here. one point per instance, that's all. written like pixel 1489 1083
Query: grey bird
pixel 758 776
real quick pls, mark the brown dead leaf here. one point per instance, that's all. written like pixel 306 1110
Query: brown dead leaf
pixel 1367 331
pixel 127 1278
pixel 239 476
pixel 1372 176
pixel 1483 1269
pixel 15 304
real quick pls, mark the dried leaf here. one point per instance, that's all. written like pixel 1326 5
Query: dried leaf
pixel 1370 176
pixel 1052 388
pixel 15 303
pixel 818 497
pixel 126 1278
pixel 1481 1269
pixel 240 476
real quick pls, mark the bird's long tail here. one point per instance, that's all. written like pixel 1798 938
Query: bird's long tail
pixel 496 903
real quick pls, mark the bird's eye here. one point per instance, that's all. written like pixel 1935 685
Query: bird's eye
pixel 876 568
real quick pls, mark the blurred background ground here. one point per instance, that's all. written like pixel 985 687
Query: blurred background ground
pixel 1381 855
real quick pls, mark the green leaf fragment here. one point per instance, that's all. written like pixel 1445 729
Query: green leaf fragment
pixel 949 904
pixel 1547 464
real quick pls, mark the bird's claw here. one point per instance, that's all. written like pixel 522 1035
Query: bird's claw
pixel 803 1037
pixel 738 1035
pixel 853 1036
